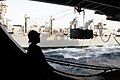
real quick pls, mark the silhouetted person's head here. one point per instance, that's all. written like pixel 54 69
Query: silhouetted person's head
pixel 34 37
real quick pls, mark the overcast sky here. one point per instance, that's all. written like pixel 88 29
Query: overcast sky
pixel 41 12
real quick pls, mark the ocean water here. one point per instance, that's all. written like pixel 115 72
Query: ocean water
pixel 107 56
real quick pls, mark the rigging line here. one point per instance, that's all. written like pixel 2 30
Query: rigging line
pixel 31 23
pixel 103 4
pixel 65 15
pixel 80 2
pixel 35 22
pixel 116 40
pixel 62 11
pixel 68 2
pixel 96 7
pixel 88 5
pixel 103 8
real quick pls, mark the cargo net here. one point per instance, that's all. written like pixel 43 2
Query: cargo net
pixel 81 33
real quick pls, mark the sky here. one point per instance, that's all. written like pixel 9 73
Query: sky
pixel 41 12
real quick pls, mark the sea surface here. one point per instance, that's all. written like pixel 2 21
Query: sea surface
pixel 107 56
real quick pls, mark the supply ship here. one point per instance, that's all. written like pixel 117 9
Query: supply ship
pixel 69 37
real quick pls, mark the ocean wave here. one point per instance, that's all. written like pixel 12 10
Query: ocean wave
pixel 102 56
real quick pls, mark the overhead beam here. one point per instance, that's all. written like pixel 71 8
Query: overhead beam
pixel 104 4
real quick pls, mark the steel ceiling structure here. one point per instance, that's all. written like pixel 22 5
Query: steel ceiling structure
pixel 110 8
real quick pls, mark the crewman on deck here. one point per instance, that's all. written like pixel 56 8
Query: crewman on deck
pixel 40 68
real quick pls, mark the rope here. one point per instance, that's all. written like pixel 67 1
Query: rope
pixel 67 64
pixel 116 40
pixel 61 12
pixel 106 40
pixel 64 15
pixel 78 65
pixel 68 2
pixel 35 22
pixel 76 75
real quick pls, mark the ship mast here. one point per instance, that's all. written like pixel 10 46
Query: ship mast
pixel 51 23
pixel 25 28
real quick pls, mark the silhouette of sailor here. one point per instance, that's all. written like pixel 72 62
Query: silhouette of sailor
pixel 40 68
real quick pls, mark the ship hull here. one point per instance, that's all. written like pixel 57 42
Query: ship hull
pixel 61 42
